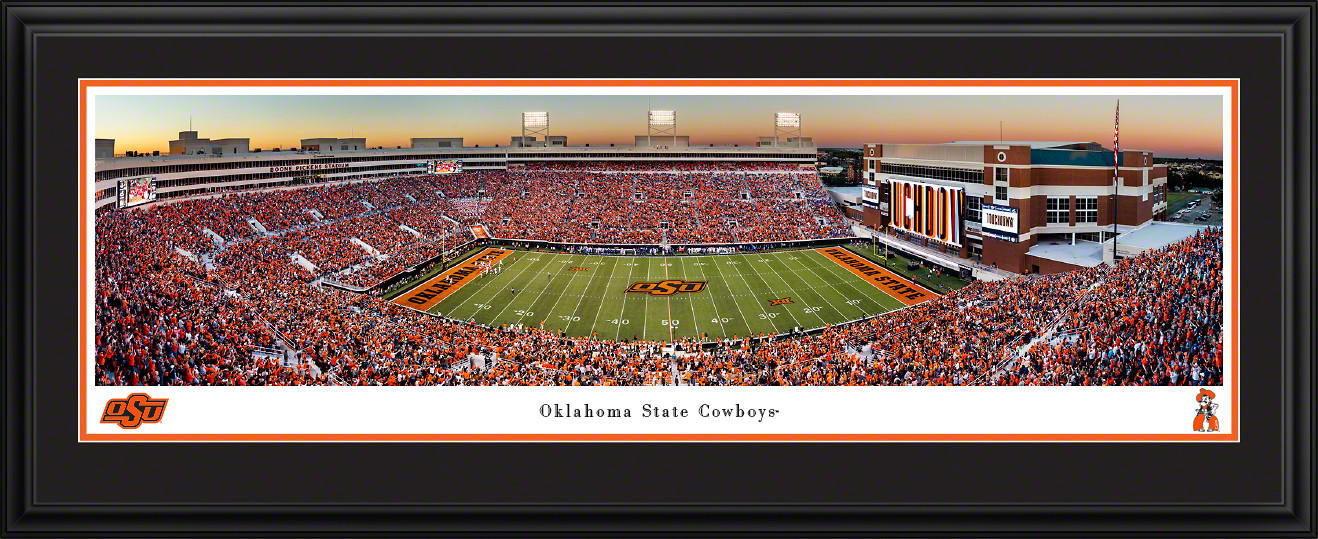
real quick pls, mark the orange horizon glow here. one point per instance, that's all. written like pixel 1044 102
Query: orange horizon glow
pixel 1168 126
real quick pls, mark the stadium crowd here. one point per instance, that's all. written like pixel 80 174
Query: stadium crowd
pixel 166 318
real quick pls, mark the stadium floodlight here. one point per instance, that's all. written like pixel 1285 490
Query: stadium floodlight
pixel 534 123
pixel 788 124
pixel 661 123
pixel 663 117
pixel 787 119
pixel 535 119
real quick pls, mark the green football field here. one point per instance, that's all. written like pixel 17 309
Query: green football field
pixel 742 295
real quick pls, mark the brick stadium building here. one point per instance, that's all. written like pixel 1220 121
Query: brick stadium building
pixel 1025 207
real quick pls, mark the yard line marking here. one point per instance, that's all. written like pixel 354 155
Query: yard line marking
pixel 510 300
pixel 750 331
pixel 669 299
pixel 767 318
pixel 789 290
pixel 836 289
pixel 622 308
pixel 594 326
pixel 477 290
pixel 833 268
pixel 566 287
pixel 693 301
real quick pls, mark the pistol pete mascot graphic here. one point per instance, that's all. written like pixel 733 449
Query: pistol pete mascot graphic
pixel 1205 419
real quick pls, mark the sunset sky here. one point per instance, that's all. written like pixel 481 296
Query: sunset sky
pixel 1169 126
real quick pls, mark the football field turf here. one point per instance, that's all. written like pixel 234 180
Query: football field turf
pixel 675 297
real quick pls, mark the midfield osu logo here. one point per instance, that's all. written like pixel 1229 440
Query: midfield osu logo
pixel 131 412
pixel 666 287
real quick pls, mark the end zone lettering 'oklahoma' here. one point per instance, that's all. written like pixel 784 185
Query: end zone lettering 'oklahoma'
pixel 427 295
pixel 898 287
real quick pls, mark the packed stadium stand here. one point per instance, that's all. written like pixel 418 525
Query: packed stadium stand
pixel 186 291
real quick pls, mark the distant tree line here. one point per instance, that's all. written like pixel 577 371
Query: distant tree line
pixel 1184 180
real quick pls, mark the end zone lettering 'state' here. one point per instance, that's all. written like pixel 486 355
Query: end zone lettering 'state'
pixel 905 291
pixel 427 295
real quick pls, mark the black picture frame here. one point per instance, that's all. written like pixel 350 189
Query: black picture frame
pixel 1263 485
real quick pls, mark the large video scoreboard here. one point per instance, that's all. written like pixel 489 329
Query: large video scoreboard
pixel 444 166
pixel 932 211
pixel 135 191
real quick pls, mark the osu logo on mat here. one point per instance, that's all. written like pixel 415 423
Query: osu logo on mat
pixel 138 408
pixel 667 287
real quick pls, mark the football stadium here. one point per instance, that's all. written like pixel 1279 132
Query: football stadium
pixel 662 263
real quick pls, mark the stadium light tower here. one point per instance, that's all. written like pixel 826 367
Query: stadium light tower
pixel 787 123
pixel 661 123
pixel 534 123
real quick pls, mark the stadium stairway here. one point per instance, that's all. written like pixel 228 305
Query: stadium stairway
pixel 302 261
pixel 258 227
pixel 1054 327
pixel 215 238
pixel 366 247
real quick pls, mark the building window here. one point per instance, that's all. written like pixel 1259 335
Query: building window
pixel 1086 209
pixel 1000 175
pixel 1000 193
pixel 1059 210
pixel 973 206
pixel 935 173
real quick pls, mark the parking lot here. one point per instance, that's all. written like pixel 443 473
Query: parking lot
pixel 1201 211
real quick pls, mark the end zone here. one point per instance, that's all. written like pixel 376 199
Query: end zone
pixel 430 293
pixel 895 285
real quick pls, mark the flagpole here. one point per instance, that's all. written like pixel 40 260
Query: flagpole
pixel 1116 177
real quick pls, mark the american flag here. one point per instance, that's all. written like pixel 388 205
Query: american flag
pixel 1116 130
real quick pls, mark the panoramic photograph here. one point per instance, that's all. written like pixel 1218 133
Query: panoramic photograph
pixel 658 240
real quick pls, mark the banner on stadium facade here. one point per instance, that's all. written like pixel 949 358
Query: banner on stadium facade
pixel 870 196
pixel 313 166
pixel 1001 222
pixel 925 209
